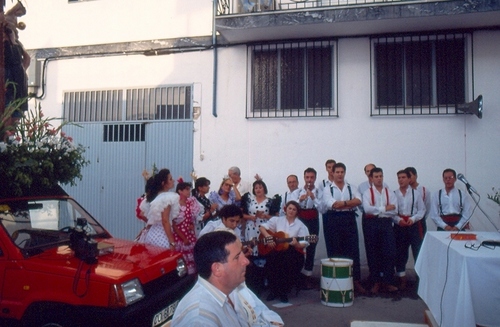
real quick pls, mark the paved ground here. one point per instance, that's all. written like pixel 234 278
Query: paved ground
pixel 306 308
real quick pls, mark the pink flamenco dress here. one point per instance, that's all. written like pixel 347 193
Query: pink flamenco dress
pixel 185 222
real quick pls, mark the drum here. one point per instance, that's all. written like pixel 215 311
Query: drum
pixel 336 282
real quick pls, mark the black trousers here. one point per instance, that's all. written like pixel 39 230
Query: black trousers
pixel 313 227
pixel 405 237
pixel 341 238
pixel 380 248
pixel 283 270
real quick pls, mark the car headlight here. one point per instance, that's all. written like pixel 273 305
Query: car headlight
pixel 126 293
pixel 181 267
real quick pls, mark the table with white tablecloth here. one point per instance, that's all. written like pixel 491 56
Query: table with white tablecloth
pixel 459 284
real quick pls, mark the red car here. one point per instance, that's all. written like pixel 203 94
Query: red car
pixel 60 267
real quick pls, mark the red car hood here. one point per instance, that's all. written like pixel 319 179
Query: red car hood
pixel 127 260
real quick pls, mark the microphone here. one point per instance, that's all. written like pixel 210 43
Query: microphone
pixel 461 177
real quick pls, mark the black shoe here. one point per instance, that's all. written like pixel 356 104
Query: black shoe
pixel 271 297
pixel 284 298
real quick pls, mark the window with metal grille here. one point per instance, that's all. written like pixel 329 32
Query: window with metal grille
pixel 420 74
pixel 89 106
pixel 293 79
pixel 159 103
pixel 124 133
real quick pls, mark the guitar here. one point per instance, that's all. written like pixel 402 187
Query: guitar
pixel 282 241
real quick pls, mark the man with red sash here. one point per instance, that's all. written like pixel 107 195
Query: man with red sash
pixel 408 227
pixel 380 206
pixel 340 227
pixel 450 207
pixel 310 204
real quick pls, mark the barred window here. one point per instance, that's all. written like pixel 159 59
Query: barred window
pixel 124 133
pixel 159 103
pixel 294 79
pixel 422 74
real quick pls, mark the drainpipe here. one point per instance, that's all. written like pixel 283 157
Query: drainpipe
pixel 214 44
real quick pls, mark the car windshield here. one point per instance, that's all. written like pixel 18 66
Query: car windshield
pixel 40 224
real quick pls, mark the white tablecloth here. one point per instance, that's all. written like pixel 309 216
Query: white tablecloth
pixel 460 286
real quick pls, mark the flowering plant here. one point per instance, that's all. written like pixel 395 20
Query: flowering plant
pixel 35 154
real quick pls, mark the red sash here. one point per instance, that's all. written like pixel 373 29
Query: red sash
pixel 309 214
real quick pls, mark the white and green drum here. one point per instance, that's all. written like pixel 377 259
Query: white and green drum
pixel 336 282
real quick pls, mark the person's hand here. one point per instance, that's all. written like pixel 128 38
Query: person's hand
pixel 338 204
pixel 257 177
pixel 213 207
pixel 390 207
pixel 269 241
pixel 145 174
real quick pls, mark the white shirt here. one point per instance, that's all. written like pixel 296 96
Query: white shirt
pixel 381 200
pixel 288 196
pixel 408 203
pixel 426 197
pixel 333 194
pixel 450 204
pixel 295 229
pixel 206 306
pixel 244 187
pixel 218 225
pixel 309 203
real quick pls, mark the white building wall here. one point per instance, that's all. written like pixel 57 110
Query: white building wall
pixel 274 148
pixel 57 23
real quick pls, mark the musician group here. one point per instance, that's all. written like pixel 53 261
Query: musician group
pixel 279 234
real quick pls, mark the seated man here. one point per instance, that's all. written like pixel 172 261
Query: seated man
pixel 230 215
pixel 220 296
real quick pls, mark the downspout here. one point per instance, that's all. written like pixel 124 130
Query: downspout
pixel 214 44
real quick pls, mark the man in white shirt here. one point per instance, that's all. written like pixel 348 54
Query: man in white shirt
pixel 424 192
pixel 329 178
pixel 292 194
pixel 340 201
pixel 408 227
pixel 240 186
pixel 220 296
pixel 230 215
pixel 450 207
pixel 380 206
pixel 310 207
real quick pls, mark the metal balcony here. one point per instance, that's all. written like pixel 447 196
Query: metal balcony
pixel 246 21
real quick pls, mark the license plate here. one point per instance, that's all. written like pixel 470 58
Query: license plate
pixel 164 314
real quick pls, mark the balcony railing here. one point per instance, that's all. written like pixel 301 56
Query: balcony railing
pixel 234 7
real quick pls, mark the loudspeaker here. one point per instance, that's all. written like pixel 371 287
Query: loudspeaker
pixel 475 107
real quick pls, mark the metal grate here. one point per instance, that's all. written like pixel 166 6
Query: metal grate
pixel 88 106
pixel 159 103
pixel 420 74
pixel 292 79
pixel 124 133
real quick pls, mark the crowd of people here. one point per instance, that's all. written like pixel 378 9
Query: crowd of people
pixel 393 221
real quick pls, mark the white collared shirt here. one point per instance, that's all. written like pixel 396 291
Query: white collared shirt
pixel 288 196
pixel 206 306
pixel 333 194
pixel 410 204
pixel 295 229
pixel 309 203
pixel 380 201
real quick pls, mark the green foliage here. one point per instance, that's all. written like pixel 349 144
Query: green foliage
pixel 37 154
pixel 495 197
